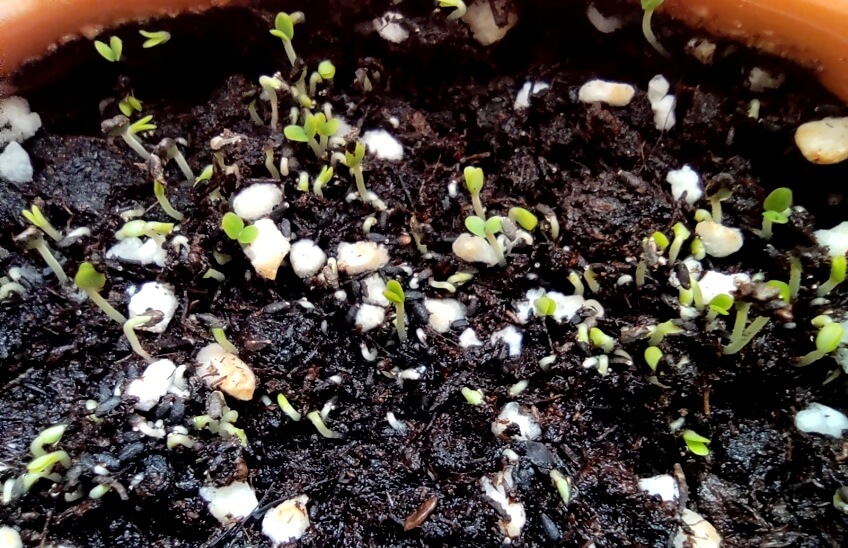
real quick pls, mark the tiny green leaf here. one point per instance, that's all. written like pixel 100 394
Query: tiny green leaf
pixel 328 128
pixel 394 292
pixel 651 5
pixel 779 200
pixel 721 303
pixel 476 225
pixel 524 218
pixel 284 26
pixel 783 287
pixel 829 337
pixel 89 278
pixel 205 175
pixel 493 225
pixel 838 266
pixel 232 225
pixel 142 124
pixel 776 217
pixel 154 38
pixel 661 240
pixel 326 70
pixel 473 179
pixel 248 235
pixel 325 175
pixel 310 124
pixel 117 46
pixel 296 133
pixel 653 356
pixel 544 306
pixel 696 443
pixel 104 50
pixel 680 231
pixel 125 108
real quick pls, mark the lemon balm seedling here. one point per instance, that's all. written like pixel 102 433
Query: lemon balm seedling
pixel 162 198
pixel 837 275
pixel 544 306
pixel 322 180
pixel 284 30
pixel 777 207
pixel 129 105
pixel 827 340
pixel 474 180
pixel 720 305
pixel 36 217
pixel 394 293
pixel 111 51
pixel 120 126
pixel 353 160
pixel 91 281
pixel 458 6
pixel 271 85
pixel 523 218
pixel 741 334
pixel 326 71
pixel 653 355
pixel 305 133
pixel 154 38
pixel 487 229
pixel 648 8
pixel 696 443
pixel 234 228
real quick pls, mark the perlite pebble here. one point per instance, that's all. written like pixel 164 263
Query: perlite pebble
pixel 513 414
pixel 10 538
pixel 823 141
pixel 154 383
pixel 614 94
pixel 286 522
pixel 474 249
pixel 267 251
pixel 443 312
pixel 361 257
pixel 834 239
pixel 257 201
pixel 698 533
pixel 306 258
pixel 231 503
pixel 821 419
pixel 719 240
pixel 15 165
pixel 154 296
pixel 223 370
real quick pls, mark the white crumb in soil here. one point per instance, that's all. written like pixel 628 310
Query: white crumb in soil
pixel 267 251
pixel 360 257
pixel 10 538
pixel 762 80
pixel 154 296
pixel 685 181
pixel 481 20
pixel 383 145
pixel 663 486
pixel 719 240
pixel 135 250
pixel 522 99
pixel 698 533
pixel 15 165
pixel 834 239
pixel 474 249
pixel 389 27
pixel 306 258
pixel 511 336
pixel 257 201
pixel 601 22
pixel 468 338
pixel 841 354
pixel 615 94
pixel 662 103
pixel 821 419
pixel 443 312
pixel 369 317
pixel 824 141
pixel 714 283
pixel 513 414
pixel 286 522
pixel 496 490
pixel 223 370
pixel 154 383
pixel 17 123
pixel 233 502
pixel 372 290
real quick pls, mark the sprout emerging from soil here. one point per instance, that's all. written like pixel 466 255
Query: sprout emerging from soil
pixel 34 240
pixel 284 30
pixel 91 281
pixel 128 105
pixel 562 485
pixel 139 227
pixel 661 331
pixel 601 340
pixel 487 229
pixel 575 280
pixel 715 200
pixel 120 126
pixel 544 306
pixel 307 132
pixel 326 71
pixel 458 6
pixel 649 6
pixel 143 320
pixel 322 180
pixel 719 306
pixel 795 272
pixel 221 338
pixel 154 38
pixel 837 275
pixel 164 203
pixel 827 340
pixel 37 218
pixel 472 396
pixel 50 436
pixel 742 335
pixel 394 293
pixel 696 443
pixel 234 228
pixel 474 180
pixel 287 408
pixel 681 234
pixel 777 210
pixel 168 148
pixel 111 51
pixel 653 355
pixel 315 418
pixel 523 218
pixel 353 160
pixel 271 85
pixel 205 175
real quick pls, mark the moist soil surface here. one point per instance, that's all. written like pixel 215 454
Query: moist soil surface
pixel 449 101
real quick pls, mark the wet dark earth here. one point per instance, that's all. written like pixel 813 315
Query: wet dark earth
pixel 449 101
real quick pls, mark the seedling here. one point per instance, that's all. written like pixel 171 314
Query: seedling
pixel 326 71
pixel 154 38
pixel 474 180
pixel 142 320
pixel 269 163
pixel 34 240
pixel 139 227
pixel 544 306
pixel 458 7
pixel 307 132
pixel 205 175
pixel 648 7
pixel 777 206
pixel 827 340
pixel 837 275
pixel 315 418
pixel 681 234
pixel 523 218
pixel 487 229
pixel 129 105
pixel 601 340
pixel 783 288
pixel 284 30
pixel 50 436
pixel 473 397
pixel 221 338
pixel 575 280
pixel 91 281
pixel 234 228
pixel 120 126
pixel 270 85
pixel 322 180
pixel 653 355
pixel 168 147
pixel 742 335
pixel 661 240
pixel 164 203
pixel 353 160
pixel 719 306
pixel 287 408
pixel 715 200
pixel 697 248
pixel 661 331
pixel 795 272
pixel 37 218
pixel 696 443
pixel 592 280
pixel 394 293
pixel 111 51
pixel 562 485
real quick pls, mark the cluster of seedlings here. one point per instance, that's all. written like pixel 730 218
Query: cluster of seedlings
pixel 676 263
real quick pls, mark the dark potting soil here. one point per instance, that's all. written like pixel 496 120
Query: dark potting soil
pixel 601 169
